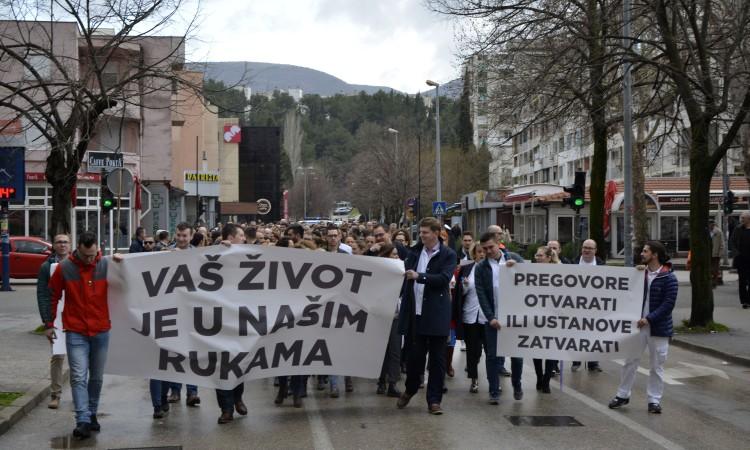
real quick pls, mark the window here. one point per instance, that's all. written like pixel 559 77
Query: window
pixel 36 248
pixel 41 64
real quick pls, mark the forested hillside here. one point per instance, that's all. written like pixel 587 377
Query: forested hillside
pixel 345 139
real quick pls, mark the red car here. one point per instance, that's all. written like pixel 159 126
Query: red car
pixel 27 254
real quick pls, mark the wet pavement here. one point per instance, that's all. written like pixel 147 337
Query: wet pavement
pixel 705 406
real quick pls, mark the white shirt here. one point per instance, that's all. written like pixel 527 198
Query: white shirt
pixel 581 262
pixel 472 312
pixel 649 278
pixel 424 259
pixel 495 265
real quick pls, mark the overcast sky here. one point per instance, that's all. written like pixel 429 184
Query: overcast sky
pixel 394 43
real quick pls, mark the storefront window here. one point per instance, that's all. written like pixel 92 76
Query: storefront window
pixel 669 233
pixel 565 230
pixel 16 223
pixel 683 242
pixel 38 223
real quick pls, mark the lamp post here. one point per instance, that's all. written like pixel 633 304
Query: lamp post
pixel 438 184
pixel 397 158
pixel 304 208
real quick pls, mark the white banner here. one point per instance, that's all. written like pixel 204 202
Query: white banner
pixel 569 312
pixel 216 316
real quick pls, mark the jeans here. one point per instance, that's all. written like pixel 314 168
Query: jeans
pixel 158 390
pixel 86 358
pixel 226 398
pixel 493 364
pixel 177 388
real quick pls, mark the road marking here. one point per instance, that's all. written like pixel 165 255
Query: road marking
pixel 669 376
pixel 618 417
pixel 321 439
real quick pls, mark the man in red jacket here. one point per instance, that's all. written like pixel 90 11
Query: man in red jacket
pixel 83 278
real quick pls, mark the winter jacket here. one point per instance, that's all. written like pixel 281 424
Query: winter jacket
pixel 661 300
pixel 485 286
pixel 43 297
pixel 85 285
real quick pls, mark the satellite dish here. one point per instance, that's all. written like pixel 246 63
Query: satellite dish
pixel 120 182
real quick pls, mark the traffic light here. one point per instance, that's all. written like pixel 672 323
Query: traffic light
pixel 577 192
pixel 106 200
pixel 201 206
pixel 729 202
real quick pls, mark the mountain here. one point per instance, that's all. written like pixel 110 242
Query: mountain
pixel 451 89
pixel 267 77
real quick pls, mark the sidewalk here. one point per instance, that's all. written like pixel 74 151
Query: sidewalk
pixel 733 346
pixel 24 359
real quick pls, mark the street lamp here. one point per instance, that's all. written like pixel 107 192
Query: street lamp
pixel 438 184
pixel 304 208
pixel 396 158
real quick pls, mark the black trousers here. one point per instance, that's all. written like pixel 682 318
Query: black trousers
pixel 474 336
pixel 743 270
pixel 226 398
pixel 391 369
pixel 544 375
pixel 420 347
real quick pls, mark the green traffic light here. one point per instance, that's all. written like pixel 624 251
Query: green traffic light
pixel 578 202
pixel 108 203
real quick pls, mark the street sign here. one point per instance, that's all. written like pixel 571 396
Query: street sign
pixel 438 208
pixel 264 206
pixel 95 161
pixel 120 182
pixel 12 174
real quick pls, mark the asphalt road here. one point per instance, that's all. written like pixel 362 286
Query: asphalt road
pixel 705 406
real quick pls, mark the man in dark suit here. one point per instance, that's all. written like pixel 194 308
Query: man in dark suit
pixel 588 258
pixel 425 313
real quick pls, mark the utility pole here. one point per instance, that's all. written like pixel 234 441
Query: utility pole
pixel 438 183
pixel 627 143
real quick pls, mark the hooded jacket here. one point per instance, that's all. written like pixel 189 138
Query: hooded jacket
pixel 662 296
pixel 85 285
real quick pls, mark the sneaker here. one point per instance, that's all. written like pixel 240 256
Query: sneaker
pixel 335 393
pixel 474 386
pixel 82 431
pixel 494 400
pixel 654 408
pixel 159 413
pixel 435 409
pixel 193 400
pixel 95 424
pixel 54 402
pixel 393 391
pixel 504 372
pixel 618 401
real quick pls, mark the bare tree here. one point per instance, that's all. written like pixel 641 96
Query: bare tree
pixel 74 66
pixel 703 48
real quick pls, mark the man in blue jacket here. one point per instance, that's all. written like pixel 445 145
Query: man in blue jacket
pixel 425 313
pixel 655 326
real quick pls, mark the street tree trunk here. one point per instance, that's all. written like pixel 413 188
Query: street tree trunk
pixel 61 170
pixel 701 172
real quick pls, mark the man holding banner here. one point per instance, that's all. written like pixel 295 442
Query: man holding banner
pixel 488 291
pixel 425 313
pixel 655 327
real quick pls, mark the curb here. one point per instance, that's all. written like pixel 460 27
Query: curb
pixel 739 360
pixel 10 415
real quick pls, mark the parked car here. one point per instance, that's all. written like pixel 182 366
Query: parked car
pixel 27 254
